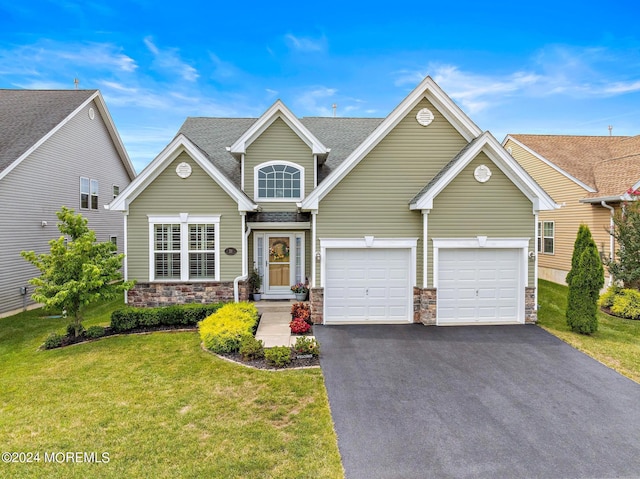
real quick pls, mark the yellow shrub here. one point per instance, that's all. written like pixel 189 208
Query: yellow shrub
pixel 223 331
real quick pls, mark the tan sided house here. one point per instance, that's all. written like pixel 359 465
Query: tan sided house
pixel 589 177
pixel 417 217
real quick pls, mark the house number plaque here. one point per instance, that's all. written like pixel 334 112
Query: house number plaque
pixel 230 251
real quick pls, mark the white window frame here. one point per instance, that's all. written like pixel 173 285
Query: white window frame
pixel 256 171
pixel 552 237
pixel 87 192
pixel 94 193
pixel 184 220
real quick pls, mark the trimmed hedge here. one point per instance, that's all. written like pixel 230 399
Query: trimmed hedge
pixel 225 330
pixel 129 318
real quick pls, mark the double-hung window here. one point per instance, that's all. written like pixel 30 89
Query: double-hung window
pixel 546 237
pixel 88 193
pixel 184 248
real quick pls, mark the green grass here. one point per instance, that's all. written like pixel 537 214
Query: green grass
pixel 159 405
pixel 615 344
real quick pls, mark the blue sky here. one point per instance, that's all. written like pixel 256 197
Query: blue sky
pixel 517 67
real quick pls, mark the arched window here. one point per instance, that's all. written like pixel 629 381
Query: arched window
pixel 279 181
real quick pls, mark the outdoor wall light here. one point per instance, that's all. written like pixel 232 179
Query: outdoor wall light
pixel 43 224
pixel 318 256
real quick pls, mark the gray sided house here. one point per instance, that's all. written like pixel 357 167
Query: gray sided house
pixel 416 217
pixel 57 147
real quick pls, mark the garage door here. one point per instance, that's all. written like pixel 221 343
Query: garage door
pixel 479 286
pixel 368 285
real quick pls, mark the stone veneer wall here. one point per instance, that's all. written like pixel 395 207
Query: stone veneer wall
pixel 316 298
pixel 530 309
pixel 165 294
pixel 424 306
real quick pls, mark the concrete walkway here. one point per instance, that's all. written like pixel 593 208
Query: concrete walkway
pixel 274 329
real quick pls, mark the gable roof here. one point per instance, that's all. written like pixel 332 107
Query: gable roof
pixel 277 110
pixel 29 117
pixel 426 89
pixel 605 166
pixel 179 144
pixel 214 135
pixel 487 144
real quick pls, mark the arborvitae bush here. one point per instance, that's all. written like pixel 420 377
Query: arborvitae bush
pixel 585 279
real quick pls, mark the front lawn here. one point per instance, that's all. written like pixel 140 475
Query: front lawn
pixel 158 405
pixel 616 343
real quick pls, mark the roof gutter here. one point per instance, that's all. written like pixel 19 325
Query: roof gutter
pixel 611 238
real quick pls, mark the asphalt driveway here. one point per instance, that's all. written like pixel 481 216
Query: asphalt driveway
pixel 410 401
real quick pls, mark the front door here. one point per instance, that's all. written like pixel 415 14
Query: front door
pixel 279 270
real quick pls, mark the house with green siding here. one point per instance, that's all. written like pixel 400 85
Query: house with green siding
pixel 416 217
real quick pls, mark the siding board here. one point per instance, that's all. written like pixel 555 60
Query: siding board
pixel 467 208
pixel 567 219
pixel 198 194
pixel 48 179
pixel 278 142
pixel 373 199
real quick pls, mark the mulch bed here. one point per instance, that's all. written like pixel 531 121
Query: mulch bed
pixel 262 363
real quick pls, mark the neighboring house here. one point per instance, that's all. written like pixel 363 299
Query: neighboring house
pixel 57 147
pixel 589 177
pixel 417 217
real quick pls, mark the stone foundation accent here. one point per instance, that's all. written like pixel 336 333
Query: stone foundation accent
pixel 316 298
pixel 166 294
pixel 530 307
pixel 424 306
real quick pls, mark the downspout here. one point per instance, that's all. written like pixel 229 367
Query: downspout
pixel 245 258
pixel 125 266
pixel 611 238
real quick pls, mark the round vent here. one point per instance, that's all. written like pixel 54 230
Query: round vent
pixel 482 173
pixel 92 114
pixel 183 170
pixel 424 117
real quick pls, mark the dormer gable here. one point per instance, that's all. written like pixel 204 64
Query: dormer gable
pixel 277 111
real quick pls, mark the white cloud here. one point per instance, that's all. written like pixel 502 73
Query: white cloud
pixel 303 44
pixel 170 60
pixel 316 102
pixel 623 87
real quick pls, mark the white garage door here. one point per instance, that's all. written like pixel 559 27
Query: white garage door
pixel 366 285
pixel 479 286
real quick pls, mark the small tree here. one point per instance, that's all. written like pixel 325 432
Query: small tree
pixel 625 266
pixel 78 270
pixel 585 280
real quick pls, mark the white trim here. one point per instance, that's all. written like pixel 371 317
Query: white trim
pixel 106 117
pixel 292 235
pixel 483 242
pixel 376 243
pixel 184 220
pixel 256 170
pixel 487 144
pixel 425 248
pixel 180 144
pixel 277 110
pixel 542 237
pixel 370 242
pixel 242 172
pixel 288 225
pixel 426 89
pixel 548 163
pixel 535 262
pixel 314 213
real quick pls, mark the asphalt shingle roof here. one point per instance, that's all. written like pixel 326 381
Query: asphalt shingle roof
pixel 608 164
pixel 26 116
pixel 214 135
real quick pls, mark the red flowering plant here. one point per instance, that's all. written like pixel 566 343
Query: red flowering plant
pixel 299 326
pixel 302 311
